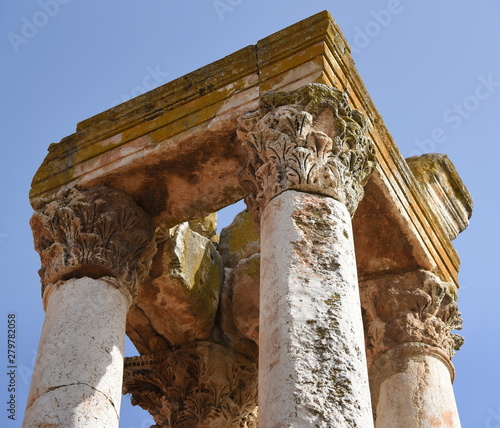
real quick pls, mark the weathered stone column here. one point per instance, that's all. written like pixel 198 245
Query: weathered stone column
pixel 95 246
pixel 306 160
pixel 409 319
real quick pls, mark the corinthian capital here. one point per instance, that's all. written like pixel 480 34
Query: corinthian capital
pixel 414 307
pixel 202 385
pixel 99 232
pixel 308 140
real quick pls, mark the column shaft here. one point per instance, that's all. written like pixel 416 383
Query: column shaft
pixel 312 367
pixel 79 367
pixel 414 388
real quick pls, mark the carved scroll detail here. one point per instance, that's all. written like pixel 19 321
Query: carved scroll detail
pixel 412 307
pixel 97 232
pixel 308 140
pixel 199 385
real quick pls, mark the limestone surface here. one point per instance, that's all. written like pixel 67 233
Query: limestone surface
pixel 239 240
pixel 309 140
pixel 174 152
pixel 246 296
pixel 79 368
pixel 415 306
pixel 178 302
pixel 450 199
pixel 413 389
pixel 312 364
pixel 96 232
pixel 199 385
pixel 239 309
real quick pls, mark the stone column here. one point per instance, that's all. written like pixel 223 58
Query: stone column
pixel 95 247
pixel 306 157
pixel 409 318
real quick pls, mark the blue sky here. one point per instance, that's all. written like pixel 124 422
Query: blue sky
pixel 422 62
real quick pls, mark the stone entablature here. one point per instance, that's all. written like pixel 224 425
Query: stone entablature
pixel 179 139
pixel 450 199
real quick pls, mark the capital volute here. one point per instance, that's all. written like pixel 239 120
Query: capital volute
pixel 98 233
pixel 308 140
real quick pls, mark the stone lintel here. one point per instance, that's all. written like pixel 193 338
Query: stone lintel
pixel 173 148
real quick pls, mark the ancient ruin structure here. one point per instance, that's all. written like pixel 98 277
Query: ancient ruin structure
pixel 331 302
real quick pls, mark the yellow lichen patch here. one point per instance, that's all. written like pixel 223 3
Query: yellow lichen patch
pixel 190 108
pixel 187 122
pixel 251 268
pixel 205 226
pixel 182 294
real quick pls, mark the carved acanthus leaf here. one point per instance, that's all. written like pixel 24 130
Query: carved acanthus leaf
pixel 308 140
pixel 97 232
pixel 412 307
pixel 201 384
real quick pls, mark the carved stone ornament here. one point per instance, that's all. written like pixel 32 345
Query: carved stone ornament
pixel 200 385
pixel 407 308
pixel 99 232
pixel 308 140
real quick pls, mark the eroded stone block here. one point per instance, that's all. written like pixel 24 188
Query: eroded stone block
pixel 245 302
pixel 181 296
pixel 239 309
pixel 239 240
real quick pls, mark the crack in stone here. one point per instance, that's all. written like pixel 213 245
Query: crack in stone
pixel 53 388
